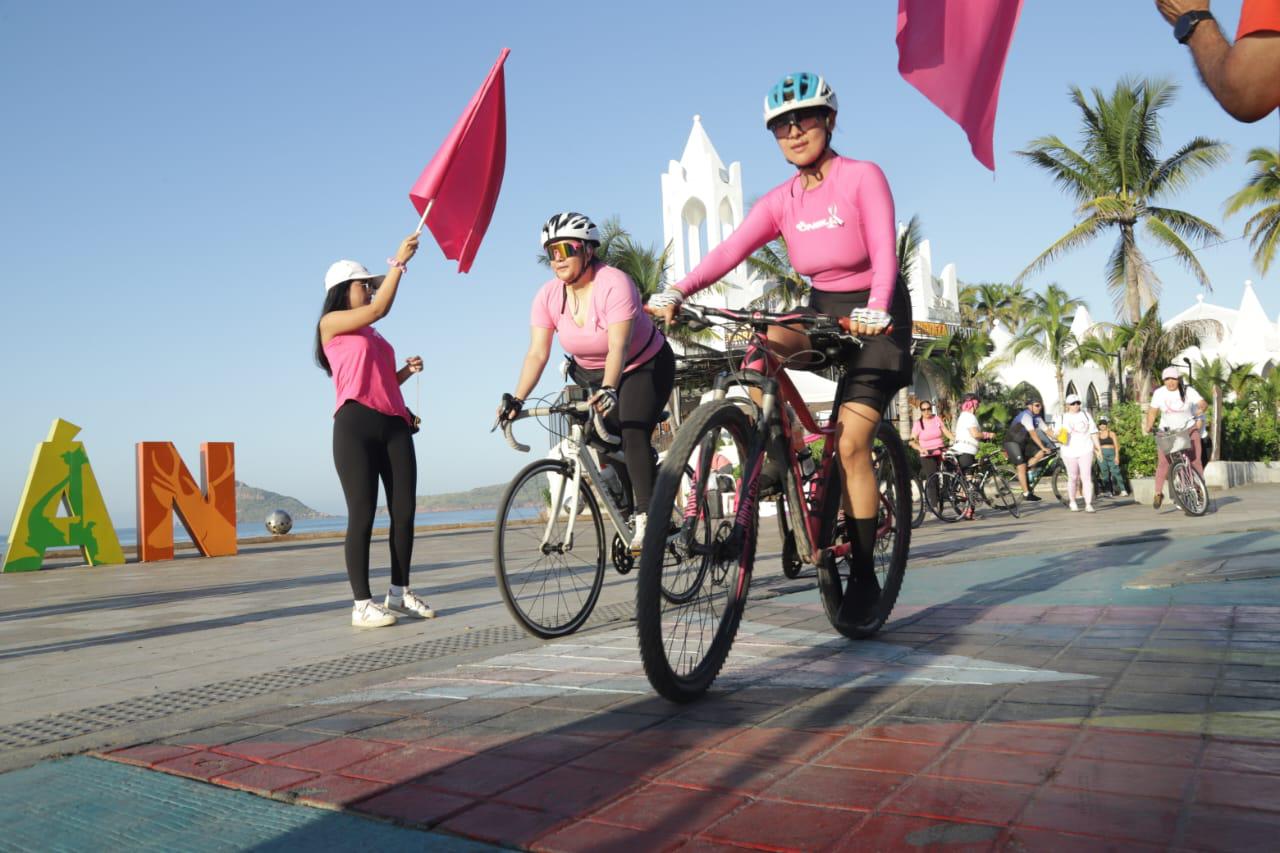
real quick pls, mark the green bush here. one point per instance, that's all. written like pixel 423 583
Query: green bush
pixel 1248 436
pixel 1137 448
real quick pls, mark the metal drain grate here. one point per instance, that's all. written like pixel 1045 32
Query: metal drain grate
pixel 56 727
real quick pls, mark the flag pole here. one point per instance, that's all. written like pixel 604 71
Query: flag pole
pixel 423 220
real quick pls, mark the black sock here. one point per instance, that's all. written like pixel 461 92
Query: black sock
pixel 863 591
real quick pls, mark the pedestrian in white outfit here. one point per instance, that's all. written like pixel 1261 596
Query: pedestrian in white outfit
pixel 1077 454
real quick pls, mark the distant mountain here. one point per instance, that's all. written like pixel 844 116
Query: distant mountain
pixel 484 497
pixel 254 504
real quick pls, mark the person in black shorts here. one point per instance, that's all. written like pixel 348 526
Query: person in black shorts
pixel 1022 435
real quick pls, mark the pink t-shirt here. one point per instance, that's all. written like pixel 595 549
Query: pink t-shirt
pixel 614 299
pixel 929 434
pixel 364 370
pixel 841 234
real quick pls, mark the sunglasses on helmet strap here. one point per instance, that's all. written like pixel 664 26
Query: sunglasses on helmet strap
pixel 564 250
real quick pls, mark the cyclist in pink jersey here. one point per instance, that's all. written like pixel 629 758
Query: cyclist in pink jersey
pixel 836 217
pixel 372 428
pixel 618 353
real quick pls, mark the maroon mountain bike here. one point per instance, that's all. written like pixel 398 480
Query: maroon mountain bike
pixel 693 575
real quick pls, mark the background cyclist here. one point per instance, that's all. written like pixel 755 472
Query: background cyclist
pixel 968 433
pixel 1025 431
pixel 617 350
pixel 1179 408
pixel 836 215
pixel 929 435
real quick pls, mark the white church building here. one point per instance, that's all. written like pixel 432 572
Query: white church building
pixel 702 203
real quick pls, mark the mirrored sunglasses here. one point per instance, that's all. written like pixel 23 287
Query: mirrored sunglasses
pixel 564 250
pixel 806 120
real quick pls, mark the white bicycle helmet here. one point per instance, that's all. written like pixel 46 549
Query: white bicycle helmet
pixel 797 92
pixel 569 226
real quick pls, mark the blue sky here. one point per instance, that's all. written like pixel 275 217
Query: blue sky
pixel 177 177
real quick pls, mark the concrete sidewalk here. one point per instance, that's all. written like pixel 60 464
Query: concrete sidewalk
pixel 1027 701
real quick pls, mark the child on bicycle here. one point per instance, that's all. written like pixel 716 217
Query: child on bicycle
pixel 836 215
pixel 617 350
pixel 1180 408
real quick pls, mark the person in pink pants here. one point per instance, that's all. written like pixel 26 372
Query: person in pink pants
pixel 1078 453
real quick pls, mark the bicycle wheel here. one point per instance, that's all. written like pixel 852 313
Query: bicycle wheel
pixel 1059 481
pixel 692 584
pixel 997 493
pixel 893 536
pixel 791 562
pixel 945 495
pixel 917 502
pixel 549 579
pixel 1189 489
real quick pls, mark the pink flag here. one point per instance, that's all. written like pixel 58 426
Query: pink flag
pixel 462 181
pixel 953 51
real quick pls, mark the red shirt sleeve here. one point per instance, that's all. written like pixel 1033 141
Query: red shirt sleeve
pixel 1259 16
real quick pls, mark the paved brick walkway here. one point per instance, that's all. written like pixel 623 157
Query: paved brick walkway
pixel 1001 710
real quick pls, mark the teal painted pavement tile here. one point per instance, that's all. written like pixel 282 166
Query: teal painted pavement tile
pixel 89 804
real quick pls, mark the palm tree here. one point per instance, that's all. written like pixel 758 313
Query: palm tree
pixel 1208 378
pixel 1020 305
pixel 1152 347
pixel 1047 335
pixel 953 363
pixel 772 262
pixel 908 247
pixel 1117 178
pixel 1242 382
pixel 1263 188
pixel 989 302
pixel 1106 349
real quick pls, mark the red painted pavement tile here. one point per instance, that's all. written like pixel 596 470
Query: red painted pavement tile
pixel 1241 790
pixel 992 766
pixel 201 765
pixel 1103 814
pixel 272 745
pixel 587 836
pixel 413 804
pixel 333 791
pixel 263 778
pixel 552 749
pixel 404 765
pixel 147 754
pixel 470 739
pixel 570 791
pixel 884 755
pixel 1143 780
pixel 835 787
pixel 783 744
pixel 485 775
pixel 1241 757
pixel 696 734
pixel 1237 830
pixel 333 754
pixel 508 825
pixel 784 826
pixel 915 732
pixel 954 799
pixel 1023 838
pixel 1149 748
pixel 669 809
pixel 724 772
pixel 903 833
pixel 642 760
pixel 706 845
pixel 1049 740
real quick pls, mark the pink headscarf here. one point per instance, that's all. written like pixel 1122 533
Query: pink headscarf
pixel 968 405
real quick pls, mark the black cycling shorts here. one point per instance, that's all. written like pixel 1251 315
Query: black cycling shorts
pixel 875 371
pixel 1016 452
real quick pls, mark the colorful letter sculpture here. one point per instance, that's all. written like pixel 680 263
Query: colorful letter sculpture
pixel 60 474
pixel 208 512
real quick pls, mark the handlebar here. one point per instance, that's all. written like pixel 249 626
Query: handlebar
pixel 697 315
pixel 584 410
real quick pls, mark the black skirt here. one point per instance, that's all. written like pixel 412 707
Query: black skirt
pixel 883 365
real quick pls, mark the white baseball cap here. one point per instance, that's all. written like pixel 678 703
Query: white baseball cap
pixel 1073 398
pixel 343 271
pixel 1170 373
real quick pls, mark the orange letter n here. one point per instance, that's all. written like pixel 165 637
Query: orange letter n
pixel 208 512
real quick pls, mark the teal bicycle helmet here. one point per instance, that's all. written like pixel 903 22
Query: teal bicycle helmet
pixel 797 92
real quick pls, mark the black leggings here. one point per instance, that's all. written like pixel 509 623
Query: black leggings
pixel 642 394
pixel 369 445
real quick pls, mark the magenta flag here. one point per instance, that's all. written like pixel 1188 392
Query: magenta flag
pixel 953 51
pixel 462 181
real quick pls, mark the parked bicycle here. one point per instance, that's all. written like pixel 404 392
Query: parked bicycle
pixel 1186 484
pixel 954 494
pixel 549 545
pixel 692 586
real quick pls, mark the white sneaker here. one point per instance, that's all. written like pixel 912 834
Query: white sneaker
pixel 1074 508
pixel 637 539
pixel 410 605
pixel 370 614
pixel 1089 508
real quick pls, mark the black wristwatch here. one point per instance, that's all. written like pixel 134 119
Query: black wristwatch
pixel 1187 23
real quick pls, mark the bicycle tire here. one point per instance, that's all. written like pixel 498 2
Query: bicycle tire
pixel 791 562
pixel 893 541
pixel 1059 480
pixel 1190 492
pixel 723 559
pixel 1005 496
pixel 946 502
pixel 917 502
pixel 513 539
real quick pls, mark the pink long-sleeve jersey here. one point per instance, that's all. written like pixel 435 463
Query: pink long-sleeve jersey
pixel 840 235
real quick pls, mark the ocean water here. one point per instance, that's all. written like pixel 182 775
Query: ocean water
pixel 335 524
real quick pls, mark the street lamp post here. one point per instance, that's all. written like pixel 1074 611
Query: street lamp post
pixel 1190 370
